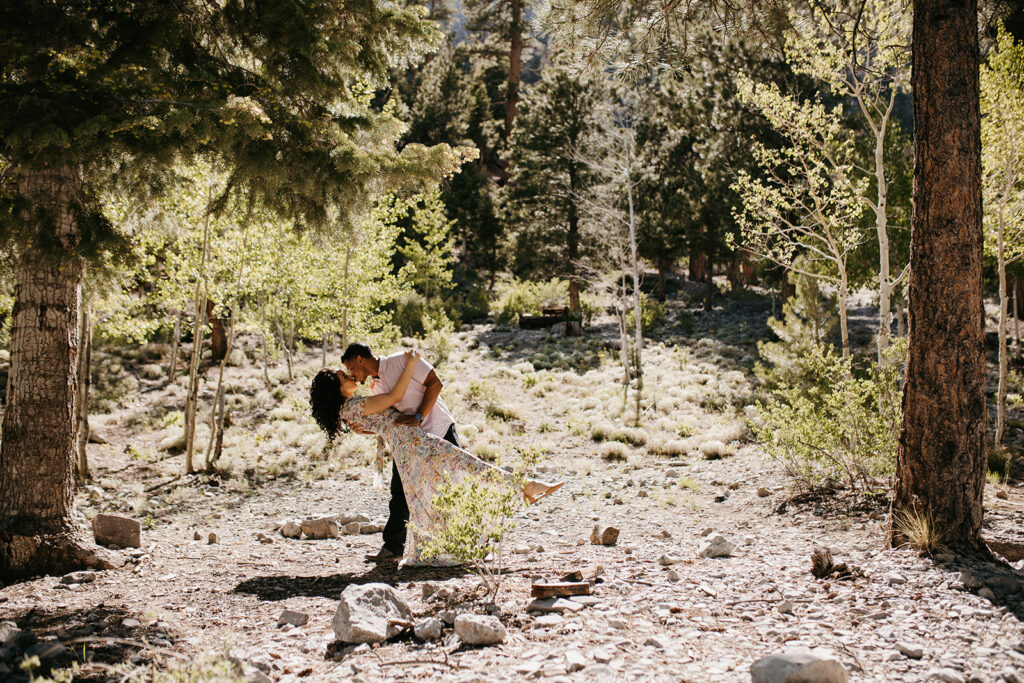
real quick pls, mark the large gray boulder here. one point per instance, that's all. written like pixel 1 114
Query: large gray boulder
pixel 364 613
pixel 798 666
pixel 111 530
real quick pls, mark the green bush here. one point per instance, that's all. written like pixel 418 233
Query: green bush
pixel 524 297
pixel 474 515
pixel 652 313
pixel 843 429
pixel 416 317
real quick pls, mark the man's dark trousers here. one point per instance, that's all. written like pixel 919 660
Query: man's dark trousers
pixel 394 531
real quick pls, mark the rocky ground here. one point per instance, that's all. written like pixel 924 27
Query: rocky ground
pixel 658 610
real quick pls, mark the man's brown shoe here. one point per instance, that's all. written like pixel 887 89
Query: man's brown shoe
pixel 384 555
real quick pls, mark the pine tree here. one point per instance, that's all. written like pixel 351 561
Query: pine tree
pixel 111 95
pixel 545 211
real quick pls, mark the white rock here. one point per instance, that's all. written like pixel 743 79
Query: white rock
pixel 669 559
pixel 553 605
pixel 717 546
pixel 428 629
pixel 574 660
pixel 548 620
pixel 911 651
pixel 945 675
pixel 292 617
pixel 78 577
pixel 797 666
pixel 291 529
pixel 364 611
pixel 349 518
pixel 672 575
pixel 479 629
pixel 352 528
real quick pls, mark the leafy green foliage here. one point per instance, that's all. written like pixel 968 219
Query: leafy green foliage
pixel 475 513
pixel 843 430
pixel 525 297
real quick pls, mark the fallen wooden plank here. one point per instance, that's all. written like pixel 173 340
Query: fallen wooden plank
pixel 561 589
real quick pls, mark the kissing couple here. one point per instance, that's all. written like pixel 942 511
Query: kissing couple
pixel 405 410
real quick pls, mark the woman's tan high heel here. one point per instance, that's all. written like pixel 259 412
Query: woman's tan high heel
pixel 551 488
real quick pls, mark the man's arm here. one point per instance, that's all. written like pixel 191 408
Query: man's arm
pixel 432 386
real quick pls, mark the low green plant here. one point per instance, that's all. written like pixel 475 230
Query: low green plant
pixel 837 428
pixel 525 297
pixel 474 514
pixel 501 412
pixel 999 461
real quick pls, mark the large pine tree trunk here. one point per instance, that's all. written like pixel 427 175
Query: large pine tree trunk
pixel 515 66
pixel 37 456
pixel 940 467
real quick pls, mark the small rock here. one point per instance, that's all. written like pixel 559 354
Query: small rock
pixel 352 528
pixel 428 629
pixel 213 538
pixel 669 559
pixel 553 605
pixel 1003 583
pixel 78 577
pixel 111 530
pixel 795 666
pixel 321 527
pixel 521 550
pixel 664 534
pixel 707 532
pixel 427 589
pixel 479 629
pixel 292 617
pixel 717 546
pixel 8 632
pixel 944 557
pixel 291 529
pixel 130 623
pixel 1010 675
pixel 196 536
pixel 656 642
pixel 349 518
pixel 786 607
pixel 548 620
pixel 987 593
pixel 763 492
pixel 1002 495
pixel 263 538
pixel 574 660
pixel 672 575
pixel 364 611
pixel 604 535
pixel 894 579
pixel 970 581
pixel 910 651
pixel 945 675
pixel 258 676
pixel 370 528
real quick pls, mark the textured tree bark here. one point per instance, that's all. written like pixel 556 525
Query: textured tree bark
pixel 175 340
pixel 218 335
pixel 940 466
pixel 662 267
pixel 697 271
pixel 573 326
pixel 37 455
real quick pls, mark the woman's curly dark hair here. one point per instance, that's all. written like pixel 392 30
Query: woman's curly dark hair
pixel 325 402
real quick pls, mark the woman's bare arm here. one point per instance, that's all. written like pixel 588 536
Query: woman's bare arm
pixel 381 402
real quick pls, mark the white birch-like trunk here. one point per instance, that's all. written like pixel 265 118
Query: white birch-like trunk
pixel 844 295
pixel 638 343
pixel 192 397
pixel 1001 390
pixel 175 340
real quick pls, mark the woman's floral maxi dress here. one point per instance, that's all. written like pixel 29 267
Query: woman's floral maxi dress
pixel 423 461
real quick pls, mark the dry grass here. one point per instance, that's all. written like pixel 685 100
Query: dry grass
pixel 918 530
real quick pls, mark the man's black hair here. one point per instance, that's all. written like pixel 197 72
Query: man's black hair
pixel 357 350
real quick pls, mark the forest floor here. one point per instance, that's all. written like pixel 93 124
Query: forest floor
pixel 183 603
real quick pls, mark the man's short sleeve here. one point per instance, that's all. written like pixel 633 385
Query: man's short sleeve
pixel 421 371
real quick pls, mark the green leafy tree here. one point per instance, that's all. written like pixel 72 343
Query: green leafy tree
pixel 1002 146
pixel 99 97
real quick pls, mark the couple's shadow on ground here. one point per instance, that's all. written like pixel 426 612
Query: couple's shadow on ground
pixel 281 587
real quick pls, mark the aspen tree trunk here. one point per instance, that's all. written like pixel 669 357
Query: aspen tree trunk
pixel 901 317
pixel 344 310
pixel 844 326
pixel 622 306
pixel 84 382
pixel 263 335
pixel 940 464
pixel 882 230
pixel 217 411
pixel 323 351
pixel 284 345
pixel 37 453
pixel 1003 305
pixel 173 371
pixel 573 326
pixel 192 397
pixel 1016 317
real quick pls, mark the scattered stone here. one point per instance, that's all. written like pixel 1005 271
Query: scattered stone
pixel 292 617
pixel 563 588
pixel 364 612
pixel 352 528
pixel 291 529
pixel 348 519
pixel 763 492
pixel 263 538
pixel 370 527
pixel 548 620
pixel 111 530
pixel 707 532
pixel 656 642
pixel 894 579
pixel 258 676
pixel 427 589
pixel 8 632
pixel 971 581
pixel 1001 582
pixel 574 660
pixel 786 607
pixel 321 527
pixel 212 538
pixel 521 550
pixel 669 559
pixel 604 535
pixel 553 605
pixel 910 651
pixel 586 600
pixel 196 536
pixel 78 577
pixel 672 575
pixel 428 629
pixel 1002 495
pixel 131 623
pixel 717 546
pixel 797 666
pixel 987 593
pixel 946 675
pixel 664 534
pixel 479 629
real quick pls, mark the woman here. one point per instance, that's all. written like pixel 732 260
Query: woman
pixel 422 458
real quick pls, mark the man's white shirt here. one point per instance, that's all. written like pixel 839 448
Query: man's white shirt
pixel 439 419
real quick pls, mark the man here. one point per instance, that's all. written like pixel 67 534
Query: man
pixel 421 405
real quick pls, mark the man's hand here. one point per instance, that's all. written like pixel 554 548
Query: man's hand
pixel 407 420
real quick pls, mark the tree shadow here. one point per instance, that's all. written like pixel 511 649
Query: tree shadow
pixel 1004 582
pixel 274 588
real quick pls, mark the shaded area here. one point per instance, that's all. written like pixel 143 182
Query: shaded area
pixel 282 587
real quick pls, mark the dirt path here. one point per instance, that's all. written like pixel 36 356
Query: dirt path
pixel 661 612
